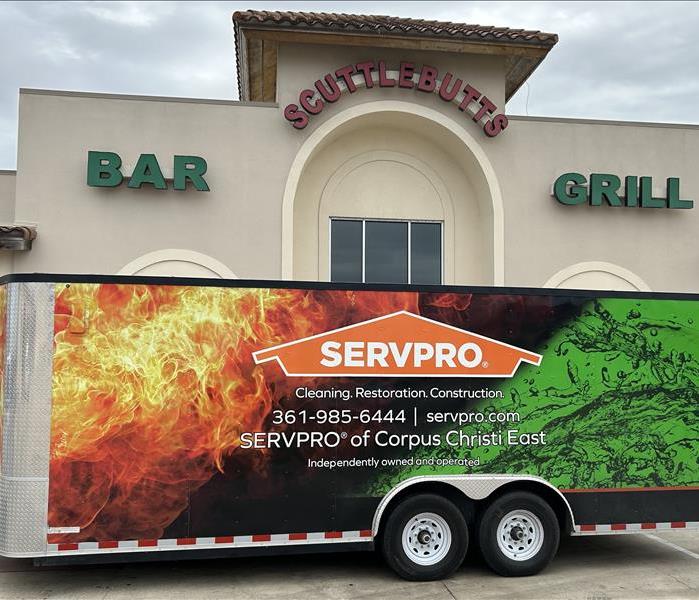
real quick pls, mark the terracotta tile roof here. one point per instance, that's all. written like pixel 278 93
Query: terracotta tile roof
pixel 17 237
pixel 385 25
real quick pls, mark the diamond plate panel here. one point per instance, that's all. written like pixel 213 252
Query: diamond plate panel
pixel 26 418
pixel 22 516
pixel 27 389
pixel 481 487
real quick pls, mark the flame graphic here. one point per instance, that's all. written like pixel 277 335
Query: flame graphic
pixel 153 385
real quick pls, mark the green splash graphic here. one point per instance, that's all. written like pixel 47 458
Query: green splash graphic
pixel 617 394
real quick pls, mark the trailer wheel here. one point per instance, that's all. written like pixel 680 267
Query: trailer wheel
pixel 518 534
pixel 425 538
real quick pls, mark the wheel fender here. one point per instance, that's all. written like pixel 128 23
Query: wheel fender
pixel 475 487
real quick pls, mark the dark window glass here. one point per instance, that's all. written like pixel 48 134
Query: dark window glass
pixel 426 253
pixel 386 251
pixel 346 251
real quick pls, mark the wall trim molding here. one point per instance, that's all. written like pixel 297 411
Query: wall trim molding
pixel 599 266
pixel 180 255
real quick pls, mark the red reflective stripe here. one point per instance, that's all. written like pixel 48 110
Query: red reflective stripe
pixel 70 546
pixel 588 527
pixel 648 526
pixel 186 541
pixel 678 524
pixel 332 535
pixel 229 539
pixel 618 526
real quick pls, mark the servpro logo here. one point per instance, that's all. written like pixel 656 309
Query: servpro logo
pixel 401 344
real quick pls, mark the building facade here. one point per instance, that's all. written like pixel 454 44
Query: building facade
pixel 364 148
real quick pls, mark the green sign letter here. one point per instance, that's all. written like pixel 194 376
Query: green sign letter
pixel 604 187
pixel 577 193
pixel 147 170
pixel 647 200
pixel 103 169
pixel 673 195
pixel 192 168
pixel 631 194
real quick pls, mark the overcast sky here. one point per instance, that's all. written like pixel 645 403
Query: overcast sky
pixel 627 60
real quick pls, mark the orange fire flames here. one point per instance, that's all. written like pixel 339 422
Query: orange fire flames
pixel 153 385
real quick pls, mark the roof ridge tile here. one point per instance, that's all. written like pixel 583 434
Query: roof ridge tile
pixel 377 23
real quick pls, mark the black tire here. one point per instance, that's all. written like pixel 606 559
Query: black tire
pixel 405 564
pixel 488 533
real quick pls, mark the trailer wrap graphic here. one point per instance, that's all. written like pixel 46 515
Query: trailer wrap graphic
pixel 173 416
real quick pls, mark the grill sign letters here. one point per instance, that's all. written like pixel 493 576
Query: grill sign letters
pixel 605 189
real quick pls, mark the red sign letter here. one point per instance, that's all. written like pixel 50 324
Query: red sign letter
pixel 428 79
pixel 405 80
pixel 471 94
pixel 449 94
pixel 383 80
pixel 345 73
pixel 366 68
pixel 312 109
pixel 296 117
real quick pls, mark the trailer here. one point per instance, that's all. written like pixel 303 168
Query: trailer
pixel 151 417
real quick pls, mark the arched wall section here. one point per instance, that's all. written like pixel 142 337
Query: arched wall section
pixel 385 184
pixel 597 275
pixel 176 262
pixel 390 159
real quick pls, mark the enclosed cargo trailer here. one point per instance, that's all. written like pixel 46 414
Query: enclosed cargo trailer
pixel 186 417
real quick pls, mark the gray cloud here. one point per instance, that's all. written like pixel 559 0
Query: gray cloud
pixel 615 60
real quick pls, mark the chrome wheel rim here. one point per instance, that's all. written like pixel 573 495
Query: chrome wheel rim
pixel 520 535
pixel 426 538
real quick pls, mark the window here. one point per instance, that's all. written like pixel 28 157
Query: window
pixel 373 251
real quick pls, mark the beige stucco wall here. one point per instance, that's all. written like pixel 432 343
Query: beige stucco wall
pixel 7 195
pixel 377 153
pixel 543 236
pixel 98 230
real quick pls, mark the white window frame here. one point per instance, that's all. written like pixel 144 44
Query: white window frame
pixel 364 222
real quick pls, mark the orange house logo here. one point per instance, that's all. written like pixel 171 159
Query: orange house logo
pixel 401 344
